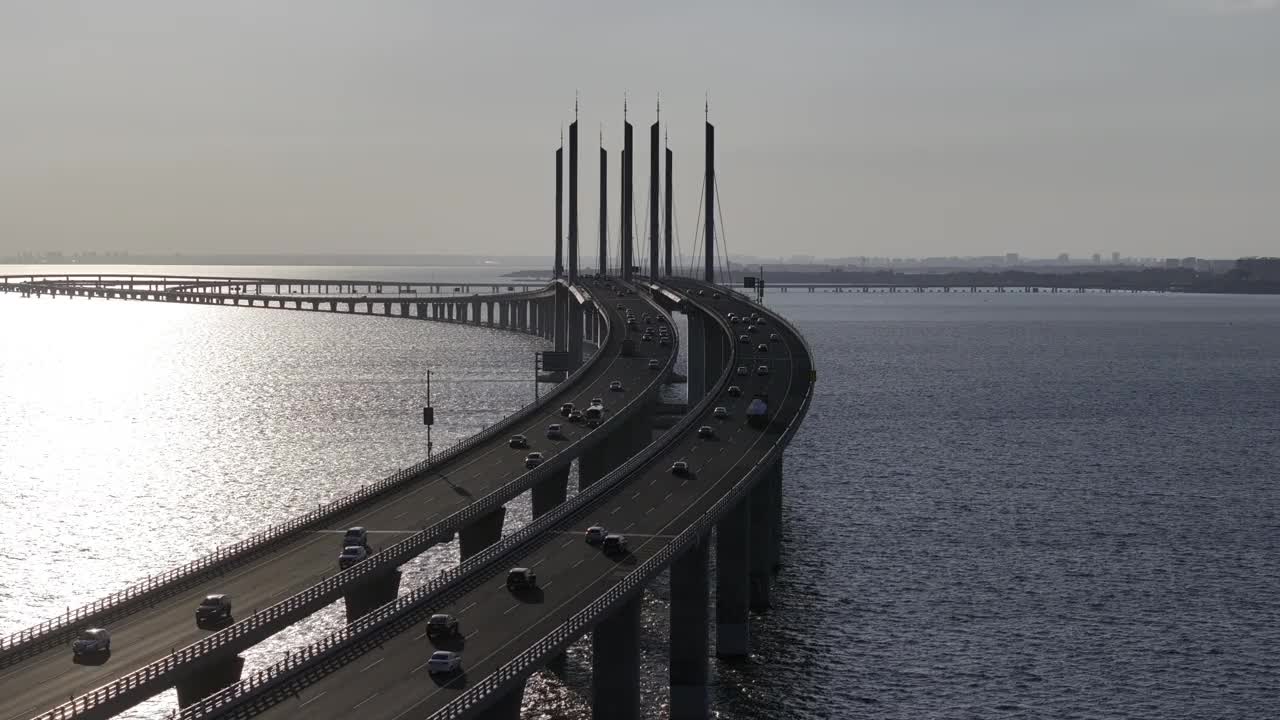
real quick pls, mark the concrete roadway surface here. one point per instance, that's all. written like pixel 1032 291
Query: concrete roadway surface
pixel 654 506
pixel 45 680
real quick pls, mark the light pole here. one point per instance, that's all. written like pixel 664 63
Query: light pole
pixel 428 416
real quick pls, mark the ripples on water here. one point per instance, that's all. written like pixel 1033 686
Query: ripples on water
pixel 1000 506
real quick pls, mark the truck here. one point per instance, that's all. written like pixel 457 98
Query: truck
pixel 758 411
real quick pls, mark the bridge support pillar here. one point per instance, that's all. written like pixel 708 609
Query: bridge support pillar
pixel 717 353
pixel 504 318
pixel 774 475
pixel 688 666
pixel 733 543
pixel 761 555
pixel 506 707
pixel 615 665
pixel 482 533
pixel 369 596
pixel 549 493
pixel 209 679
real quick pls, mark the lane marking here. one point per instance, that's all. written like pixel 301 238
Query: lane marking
pixel 357 705
pixel 510 609
pixel 579 562
pixel 317 697
pixel 473 604
pixel 375 662
pixel 615 510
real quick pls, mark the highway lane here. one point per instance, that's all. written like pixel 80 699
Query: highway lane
pixel 46 679
pixel 392 681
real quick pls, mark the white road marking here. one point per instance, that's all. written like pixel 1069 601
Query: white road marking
pixel 508 610
pixel 473 604
pixel 375 662
pixel 615 510
pixel 353 707
pixel 317 697
pixel 579 562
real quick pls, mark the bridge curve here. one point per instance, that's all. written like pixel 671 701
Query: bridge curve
pixel 735 485
pixel 163 612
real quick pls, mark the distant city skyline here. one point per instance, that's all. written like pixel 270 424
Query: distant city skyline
pixel 879 129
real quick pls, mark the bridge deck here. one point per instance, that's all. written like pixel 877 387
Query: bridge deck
pixel 49 678
pixel 392 682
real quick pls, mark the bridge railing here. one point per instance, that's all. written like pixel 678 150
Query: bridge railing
pixel 449 584
pixel 515 672
pixel 51 630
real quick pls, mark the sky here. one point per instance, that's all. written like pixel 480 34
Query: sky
pixel 907 128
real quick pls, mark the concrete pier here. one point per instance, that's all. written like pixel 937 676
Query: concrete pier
pixel 697 383
pixel 761 499
pixel 482 533
pixel 372 595
pixel 506 707
pixel 209 679
pixel 774 476
pixel 615 666
pixel 688 667
pixel 733 543
pixel 549 493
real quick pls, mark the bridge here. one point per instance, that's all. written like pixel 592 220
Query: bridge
pixel 729 499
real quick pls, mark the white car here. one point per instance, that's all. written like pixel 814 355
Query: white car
pixel 91 642
pixel 352 555
pixel 680 467
pixel 533 460
pixel 720 412
pixel 615 386
pixel 653 365
pixel 773 337
pixel 706 432
pixel 443 662
pixel 597 401
pixel 595 535
pixel 762 370
pixel 742 369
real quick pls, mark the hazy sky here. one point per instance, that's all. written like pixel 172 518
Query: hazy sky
pixel 876 127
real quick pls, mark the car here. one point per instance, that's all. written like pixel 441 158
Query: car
pixel 646 338
pixel 593 422
pixel 595 535
pixel 760 321
pixel 566 408
pixel 443 662
pixel 518 441
pixel 734 391
pixel 355 536
pixel 721 412
pixel 441 625
pixel 533 460
pixel 732 317
pixel 615 386
pixel 575 416
pixel 706 432
pixel 614 544
pixel 351 555
pixel 598 401
pixel 773 337
pixel 213 608
pixel 702 293
pixel 751 329
pixel 715 296
pixel 742 369
pixel 680 467
pixel 621 306
pixel 554 431
pixel 91 641
pixel 744 339
pixel 664 341
pixel 762 348
pixel 654 365
pixel 521 579
pixel 762 370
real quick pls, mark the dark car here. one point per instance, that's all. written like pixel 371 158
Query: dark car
pixel 442 626
pixel 521 579
pixel 214 608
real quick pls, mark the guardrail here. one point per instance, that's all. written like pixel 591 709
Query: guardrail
pixel 108 698
pixel 55 629
pixel 440 591
pixel 517 670
pixel 73 288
